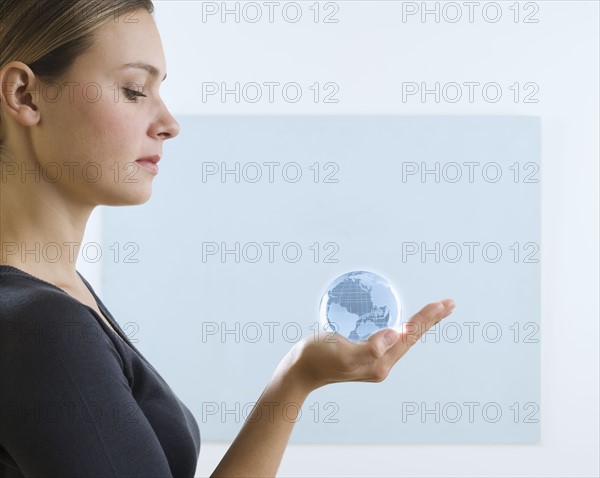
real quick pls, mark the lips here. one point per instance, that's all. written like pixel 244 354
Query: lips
pixel 153 159
pixel 149 163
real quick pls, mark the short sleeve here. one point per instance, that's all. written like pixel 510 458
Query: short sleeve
pixel 67 406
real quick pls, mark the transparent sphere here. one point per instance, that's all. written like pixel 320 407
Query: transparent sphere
pixel 358 304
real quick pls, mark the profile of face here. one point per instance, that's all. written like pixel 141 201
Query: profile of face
pixel 107 116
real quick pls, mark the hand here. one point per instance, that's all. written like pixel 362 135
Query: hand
pixel 329 357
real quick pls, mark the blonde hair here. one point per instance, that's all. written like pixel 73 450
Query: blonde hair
pixel 48 35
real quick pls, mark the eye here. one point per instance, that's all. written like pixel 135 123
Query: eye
pixel 132 94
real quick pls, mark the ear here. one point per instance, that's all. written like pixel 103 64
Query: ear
pixel 19 93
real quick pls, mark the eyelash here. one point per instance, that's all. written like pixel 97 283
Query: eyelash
pixel 132 94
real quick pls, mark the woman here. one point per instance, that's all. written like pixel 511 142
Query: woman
pixel 80 104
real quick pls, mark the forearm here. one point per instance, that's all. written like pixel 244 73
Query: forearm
pixel 258 448
pixel 310 364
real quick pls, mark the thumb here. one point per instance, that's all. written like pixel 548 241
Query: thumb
pixel 382 341
pixel 389 338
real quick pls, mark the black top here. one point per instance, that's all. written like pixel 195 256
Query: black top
pixel 76 400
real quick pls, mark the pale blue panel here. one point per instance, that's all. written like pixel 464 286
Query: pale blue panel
pixel 474 379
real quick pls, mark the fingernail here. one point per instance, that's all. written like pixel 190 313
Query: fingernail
pixel 439 307
pixel 390 337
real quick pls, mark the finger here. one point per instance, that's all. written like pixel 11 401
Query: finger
pixel 423 320
pixel 385 347
pixel 378 355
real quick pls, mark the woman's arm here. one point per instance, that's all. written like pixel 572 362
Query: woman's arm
pixel 67 407
pixel 310 364
pixel 259 446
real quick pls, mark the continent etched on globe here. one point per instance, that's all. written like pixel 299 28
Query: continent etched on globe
pixel 358 304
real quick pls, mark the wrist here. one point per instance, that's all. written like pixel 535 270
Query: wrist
pixel 290 374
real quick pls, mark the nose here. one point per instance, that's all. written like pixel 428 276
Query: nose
pixel 167 127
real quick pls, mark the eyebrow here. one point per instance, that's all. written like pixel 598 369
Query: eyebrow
pixel 143 66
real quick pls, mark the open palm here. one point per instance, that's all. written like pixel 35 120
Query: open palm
pixel 329 357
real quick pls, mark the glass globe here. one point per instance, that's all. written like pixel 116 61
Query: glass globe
pixel 358 304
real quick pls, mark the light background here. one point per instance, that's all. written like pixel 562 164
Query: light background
pixel 369 53
pixel 367 216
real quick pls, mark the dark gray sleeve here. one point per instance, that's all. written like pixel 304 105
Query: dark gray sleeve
pixel 66 405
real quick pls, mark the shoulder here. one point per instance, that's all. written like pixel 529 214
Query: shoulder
pixel 40 320
pixel 64 393
pixel 23 298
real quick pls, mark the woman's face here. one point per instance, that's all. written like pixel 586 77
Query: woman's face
pixel 97 129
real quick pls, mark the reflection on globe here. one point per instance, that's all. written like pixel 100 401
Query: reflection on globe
pixel 358 304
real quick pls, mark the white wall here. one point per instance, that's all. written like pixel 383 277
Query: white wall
pixel 369 53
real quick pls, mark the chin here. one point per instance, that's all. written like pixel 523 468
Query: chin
pixel 133 197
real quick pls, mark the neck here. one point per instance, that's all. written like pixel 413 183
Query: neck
pixel 41 226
